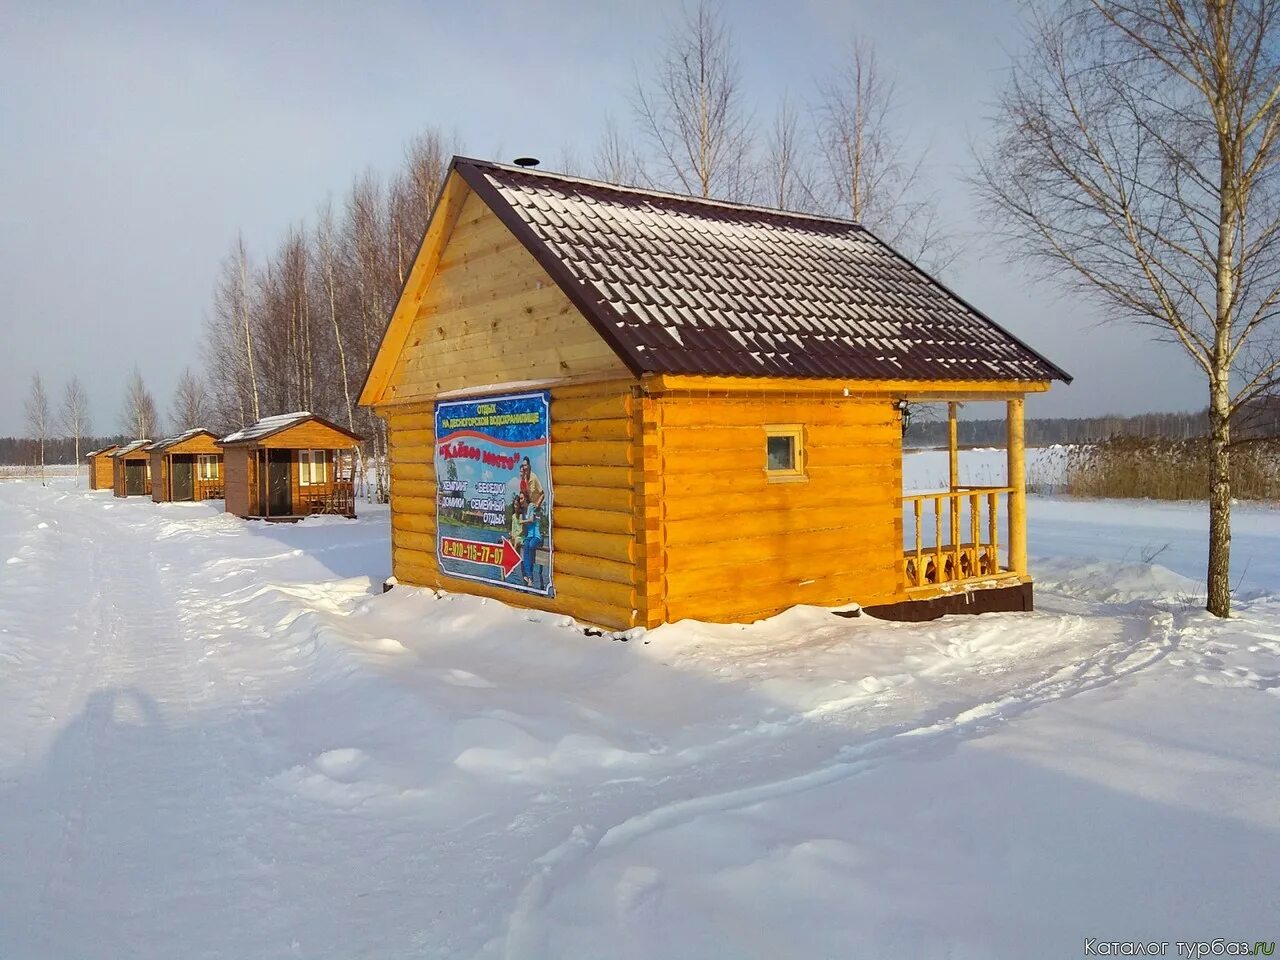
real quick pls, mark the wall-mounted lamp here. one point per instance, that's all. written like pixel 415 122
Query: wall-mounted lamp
pixel 904 410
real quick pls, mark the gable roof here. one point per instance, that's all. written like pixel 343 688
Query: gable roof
pixel 676 284
pixel 97 453
pixel 270 426
pixel 129 448
pixel 180 438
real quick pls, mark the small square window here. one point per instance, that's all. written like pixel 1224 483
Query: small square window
pixel 784 452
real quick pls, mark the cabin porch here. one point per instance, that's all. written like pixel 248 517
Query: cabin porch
pixel 969 538
pixel 287 485
pixel 191 477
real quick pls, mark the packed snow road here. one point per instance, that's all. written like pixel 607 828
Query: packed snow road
pixel 217 739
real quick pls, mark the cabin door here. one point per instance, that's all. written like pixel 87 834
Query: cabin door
pixel 135 477
pixel 279 483
pixel 182 479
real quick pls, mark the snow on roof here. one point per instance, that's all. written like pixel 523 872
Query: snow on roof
pixel 173 441
pixel 131 447
pixel 684 285
pixel 99 452
pixel 266 426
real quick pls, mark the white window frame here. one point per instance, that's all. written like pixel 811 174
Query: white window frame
pixel 207 466
pixel 308 462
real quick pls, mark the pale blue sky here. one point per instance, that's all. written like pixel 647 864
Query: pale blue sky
pixel 137 138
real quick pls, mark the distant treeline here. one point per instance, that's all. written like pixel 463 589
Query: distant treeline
pixel 930 430
pixel 19 451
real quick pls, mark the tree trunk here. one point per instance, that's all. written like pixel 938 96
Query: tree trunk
pixel 1219 577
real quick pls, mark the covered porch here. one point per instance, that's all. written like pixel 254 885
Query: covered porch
pixel 291 484
pixel 968 538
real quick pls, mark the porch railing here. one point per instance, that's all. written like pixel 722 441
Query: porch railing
pixel 209 489
pixel 331 498
pixel 952 536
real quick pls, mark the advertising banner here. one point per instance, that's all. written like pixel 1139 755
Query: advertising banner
pixel 493 490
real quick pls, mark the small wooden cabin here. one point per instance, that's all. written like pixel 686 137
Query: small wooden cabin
pixel 724 389
pixel 131 469
pixel 186 467
pixel 288 467
pixel 101 468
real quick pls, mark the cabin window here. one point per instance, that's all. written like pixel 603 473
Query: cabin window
pixel 207 466
pixel 784 452
pixel 311 468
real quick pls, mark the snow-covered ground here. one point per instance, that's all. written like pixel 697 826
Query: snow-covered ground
pixel 218 739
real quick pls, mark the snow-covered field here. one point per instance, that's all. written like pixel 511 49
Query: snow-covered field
pixel 218 739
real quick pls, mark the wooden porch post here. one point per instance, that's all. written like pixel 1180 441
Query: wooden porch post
pixel 1017 480
pixel 953 448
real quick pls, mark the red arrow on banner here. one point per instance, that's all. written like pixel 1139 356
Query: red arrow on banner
pixel 503 555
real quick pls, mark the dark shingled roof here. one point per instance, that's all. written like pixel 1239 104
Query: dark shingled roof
pixel 681 285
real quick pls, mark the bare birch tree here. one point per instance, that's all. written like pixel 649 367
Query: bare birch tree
pixel 370 256
pixel 785 175
pixel 692 111
pixel 138 418
pixel 39 422
pixel 1137 161
pixel 190 408
pixel 616 159
pixel 73 416
pixel 327 266
pixel 869 173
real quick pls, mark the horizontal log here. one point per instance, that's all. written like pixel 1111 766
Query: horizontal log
pixel 592 453
pixel 593 521
pixel 414 523
pixel 413 471
pixel 412 540
pixel 593 568
pixel 403 423
pixel 411 506
pixel 868 543
pixel 566 430
pixel 613 405
pixel 414 488
pixel 619 500
pixel 402 453
pixel 571 589
pixel 779 523
pixel 415 575
pixel 614 477
pixel 607 546
pixel 417 437
pixel 781 497
pixel 847 571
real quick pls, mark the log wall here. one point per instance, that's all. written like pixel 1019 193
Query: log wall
pixel 101 472
pixel 491 314
pixel 593 482
pixel 729 545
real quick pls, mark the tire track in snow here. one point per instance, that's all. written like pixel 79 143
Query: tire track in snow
pixel 1145 642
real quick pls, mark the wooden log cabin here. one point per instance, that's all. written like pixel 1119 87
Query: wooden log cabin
pixel 186 467
pixel 725 388
pixel 102 468
pixel 290 466
pixel 131 470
